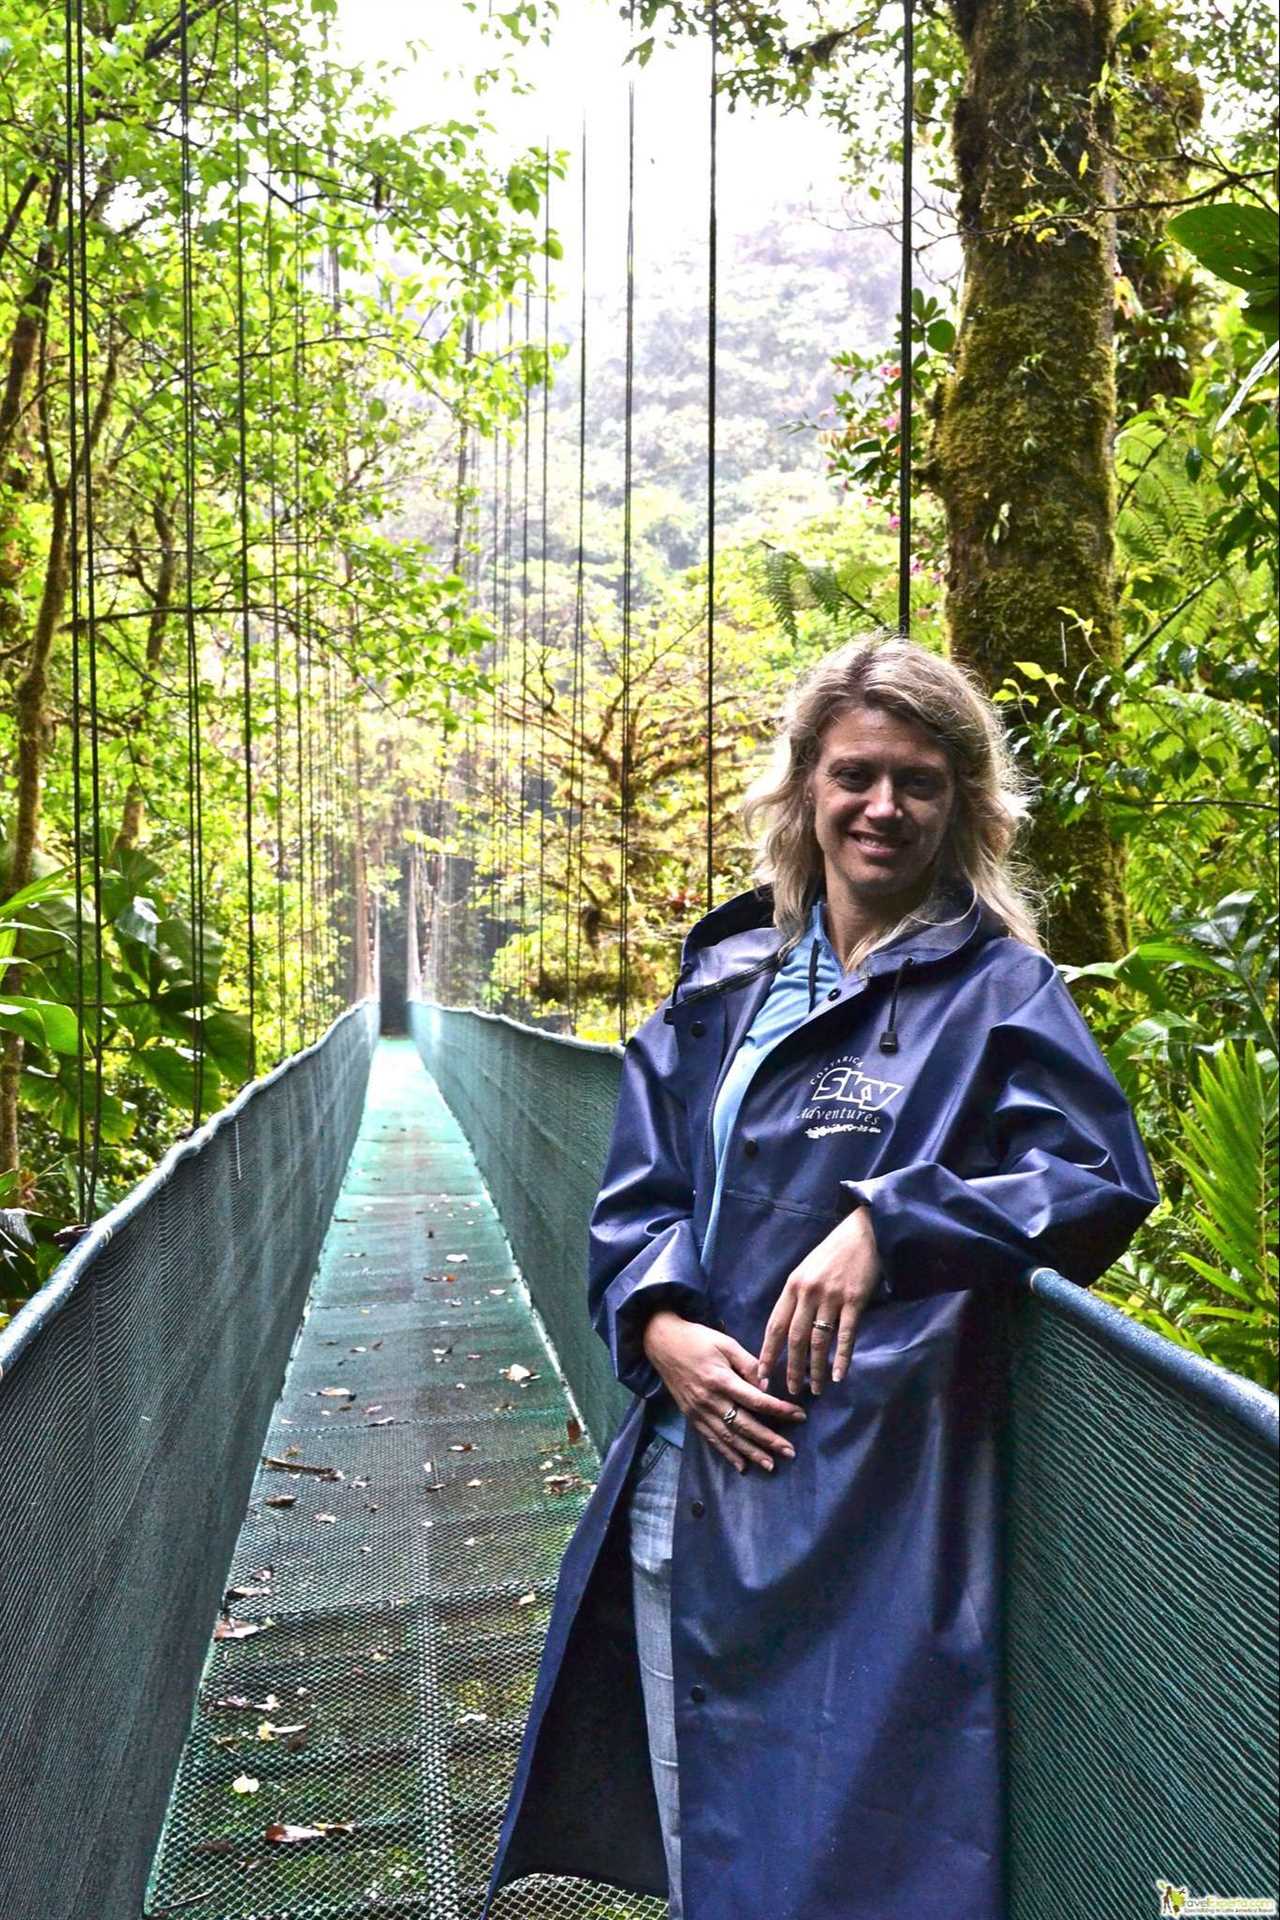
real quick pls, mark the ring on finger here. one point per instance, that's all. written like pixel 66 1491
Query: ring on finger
pixel 824 1326
pixel 730 1414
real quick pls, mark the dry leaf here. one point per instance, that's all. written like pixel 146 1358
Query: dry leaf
pixel 237 1629
pixel 326 1519
pixel 281 1500
pixel 458 1259
pixel 574 1430
pixel 335 1393
pixel 527 1600
pixel 281 1834
pixel 518 1375
pixel 268 1730
pixel 463 1446
pixel 244 1783
pixel 283 1464
pixel 387 1421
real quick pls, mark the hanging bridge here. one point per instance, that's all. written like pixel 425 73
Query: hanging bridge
pixel 295 1437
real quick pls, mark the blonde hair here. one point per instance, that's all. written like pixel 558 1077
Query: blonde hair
pixel 891 675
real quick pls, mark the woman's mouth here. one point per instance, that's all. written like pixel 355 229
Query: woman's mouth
pixel 871 843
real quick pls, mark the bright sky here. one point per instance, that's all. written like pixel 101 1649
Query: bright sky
pixel 767 161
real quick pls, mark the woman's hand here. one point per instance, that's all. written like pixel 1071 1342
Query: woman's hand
pixel 818 1310
pixel 707 1374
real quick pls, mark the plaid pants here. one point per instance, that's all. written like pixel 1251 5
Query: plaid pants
pixel 652 1519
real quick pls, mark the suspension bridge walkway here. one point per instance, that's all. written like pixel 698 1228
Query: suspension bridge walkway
pixel 290 1466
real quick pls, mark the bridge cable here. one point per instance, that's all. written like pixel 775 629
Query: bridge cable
pixel 195 790
pixel 522 808
pixel 73 55
pixel 625 767
pixel 246 651
pixel 546 459
pixel 712 293
pixel 296 373
pixel 906 381
pixel 578 702
pixel 277 676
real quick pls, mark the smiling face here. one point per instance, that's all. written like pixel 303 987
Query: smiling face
pixel 883 794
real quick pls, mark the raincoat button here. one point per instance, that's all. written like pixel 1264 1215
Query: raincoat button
pixel 751 1148
pixel 834 994
pixel 697 1028
pixel 697 1509
pixel 697 1695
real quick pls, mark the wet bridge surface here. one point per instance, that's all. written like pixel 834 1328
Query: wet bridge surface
pixel 358 1719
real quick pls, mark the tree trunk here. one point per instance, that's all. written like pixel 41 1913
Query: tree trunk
pixel 1023 450
pixel 33 738
pixel 1160 323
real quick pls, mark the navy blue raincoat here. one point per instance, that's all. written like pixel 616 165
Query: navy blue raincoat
pixel 835 1625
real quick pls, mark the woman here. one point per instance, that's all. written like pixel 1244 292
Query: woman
pixel 771 1680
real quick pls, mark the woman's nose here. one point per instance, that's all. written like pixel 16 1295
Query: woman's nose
pixel 881 799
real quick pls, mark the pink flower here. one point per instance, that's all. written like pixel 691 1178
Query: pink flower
pixel 894 522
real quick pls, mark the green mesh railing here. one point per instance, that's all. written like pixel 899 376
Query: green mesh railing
pixel 391 1586
pixel 1141 1535
pixel 537 1109
pixel 134 1392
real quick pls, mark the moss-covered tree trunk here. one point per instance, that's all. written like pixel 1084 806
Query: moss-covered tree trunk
pixel 1023 451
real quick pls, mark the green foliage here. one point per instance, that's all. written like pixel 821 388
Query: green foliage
pixel 1230 1153
pixel 362 261
pixel 1240 244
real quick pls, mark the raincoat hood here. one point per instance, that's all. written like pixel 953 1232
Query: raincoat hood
pixel 737 942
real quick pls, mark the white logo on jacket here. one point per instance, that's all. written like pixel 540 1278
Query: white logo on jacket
pixel 846 1084
pixel 846 1099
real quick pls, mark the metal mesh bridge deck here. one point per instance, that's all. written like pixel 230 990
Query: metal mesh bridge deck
pixel 391 1585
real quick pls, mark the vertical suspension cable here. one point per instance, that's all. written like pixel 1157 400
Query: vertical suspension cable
pixel 577 703
pixel 195 795
pixel 521 889
pixel 304 931
pixel 71 117
pixel 546 462
pixel 624 797
pixel 495 595
pixel 712 290
pixel 504 708
pixel 906 384
pixel 246 646
pixel 277 683
pixel 90 603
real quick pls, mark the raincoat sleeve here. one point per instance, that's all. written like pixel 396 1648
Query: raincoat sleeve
pixel 1048 1168
pixel 642 1251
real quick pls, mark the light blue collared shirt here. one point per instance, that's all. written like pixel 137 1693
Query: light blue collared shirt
pixel 785 1005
